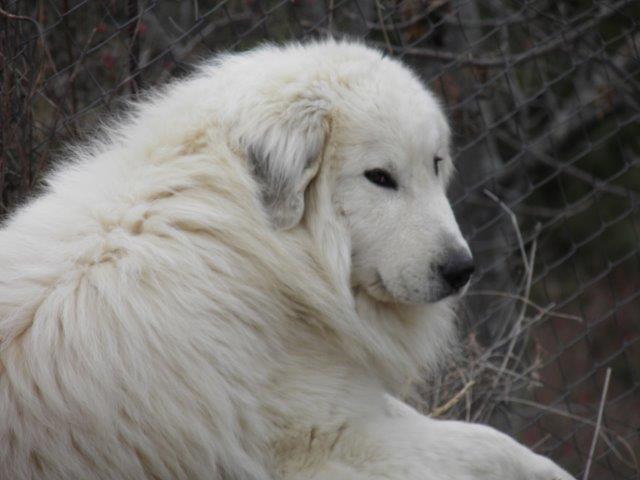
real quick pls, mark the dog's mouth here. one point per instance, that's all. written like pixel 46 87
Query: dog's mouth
pixel 380 291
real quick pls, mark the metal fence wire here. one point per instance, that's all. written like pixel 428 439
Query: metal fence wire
pixel 544 100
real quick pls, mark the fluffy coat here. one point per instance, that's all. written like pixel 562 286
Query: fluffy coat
pixel 180 302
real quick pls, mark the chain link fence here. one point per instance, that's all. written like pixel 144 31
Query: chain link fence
pixel 544 99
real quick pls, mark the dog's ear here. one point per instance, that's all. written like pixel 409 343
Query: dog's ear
pixel 284 152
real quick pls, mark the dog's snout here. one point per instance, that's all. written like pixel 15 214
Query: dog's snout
pixel 457 269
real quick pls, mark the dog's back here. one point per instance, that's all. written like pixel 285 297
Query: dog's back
pixel 121 338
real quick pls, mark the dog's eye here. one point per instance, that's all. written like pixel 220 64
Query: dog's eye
pixel 381 178
pixel 436 161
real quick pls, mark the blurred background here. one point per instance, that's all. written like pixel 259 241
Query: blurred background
pixel 544 100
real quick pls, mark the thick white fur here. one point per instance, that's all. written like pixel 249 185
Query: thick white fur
pixel 214 290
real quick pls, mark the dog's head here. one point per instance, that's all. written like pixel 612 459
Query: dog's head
pixel 346 139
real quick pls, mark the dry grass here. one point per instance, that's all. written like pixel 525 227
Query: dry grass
pixel 486 382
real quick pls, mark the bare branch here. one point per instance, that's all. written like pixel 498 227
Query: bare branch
pixel 504 61
pixel 603 399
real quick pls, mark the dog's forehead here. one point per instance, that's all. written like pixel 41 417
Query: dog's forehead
pixel 417 118
pixel 392 113
pixel 424 134
pixel 405 138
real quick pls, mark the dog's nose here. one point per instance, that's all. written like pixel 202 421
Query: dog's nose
pixel 457 269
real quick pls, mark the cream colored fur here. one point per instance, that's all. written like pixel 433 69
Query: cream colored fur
pixel 213 290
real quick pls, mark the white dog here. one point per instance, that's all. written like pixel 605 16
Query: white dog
pixel 235 281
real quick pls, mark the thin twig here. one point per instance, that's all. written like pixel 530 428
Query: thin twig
pixel 538 152
pixel 603 399
pixel 540 309
pixel 554 411
pixel 442 409
pixel 382 27
pixel 517 327
pixel 41 34
pixel 514 221
pixel 505 61
pixel 180 53
pixel 540 442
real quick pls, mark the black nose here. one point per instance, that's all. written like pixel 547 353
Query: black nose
pixel 457 269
